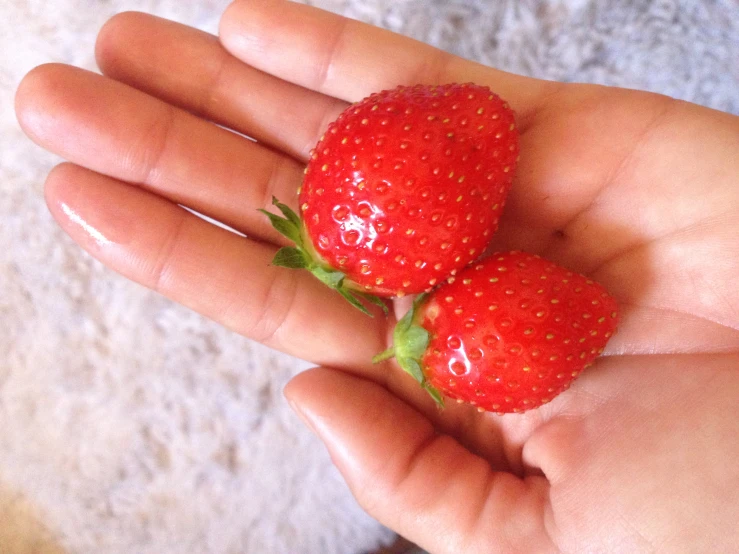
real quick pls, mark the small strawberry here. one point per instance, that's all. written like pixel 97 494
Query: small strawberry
pixel 506 334
pixel 404 189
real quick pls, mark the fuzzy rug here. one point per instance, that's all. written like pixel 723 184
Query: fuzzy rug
pixel 131 425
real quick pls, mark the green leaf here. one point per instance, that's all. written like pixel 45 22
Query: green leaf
pixel 329 277
pixel 407 320
pixel 284 227
pixel 403 324
pixel 376 300
pixel 435 394
pixel 287 212
pixel 411 342
pixel 290 257
pixel 304 257
pixel 418 300
pixel 414 342
pixel 412 367
pixel 353 300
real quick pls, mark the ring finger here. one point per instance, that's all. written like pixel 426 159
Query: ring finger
pixel 121 132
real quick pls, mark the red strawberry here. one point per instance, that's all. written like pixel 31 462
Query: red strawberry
pixel 507 334
pixel 405 188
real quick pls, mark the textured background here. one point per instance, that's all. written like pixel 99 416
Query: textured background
pixel 130 425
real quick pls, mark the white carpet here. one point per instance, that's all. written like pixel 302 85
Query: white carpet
pixel 130 425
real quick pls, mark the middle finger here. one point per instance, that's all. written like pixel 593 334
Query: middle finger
pixel 189 68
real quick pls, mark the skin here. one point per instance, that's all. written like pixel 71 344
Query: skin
pixel 636 190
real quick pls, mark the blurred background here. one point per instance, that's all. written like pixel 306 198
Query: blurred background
pixel 131 425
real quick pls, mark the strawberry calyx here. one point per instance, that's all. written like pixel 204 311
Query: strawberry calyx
pixel 410 342
pixel 304 256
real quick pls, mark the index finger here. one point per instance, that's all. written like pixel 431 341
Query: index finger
pixel 348 59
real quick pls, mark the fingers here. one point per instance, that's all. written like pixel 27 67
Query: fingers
pixel 425 486
pixel 121 132
pixel 347 59
pixel 213 271
pixel 190 69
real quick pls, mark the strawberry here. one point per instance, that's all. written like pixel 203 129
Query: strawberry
pixel 506 334
pixel 404 189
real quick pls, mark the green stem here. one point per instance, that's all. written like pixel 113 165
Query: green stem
pixel 382 356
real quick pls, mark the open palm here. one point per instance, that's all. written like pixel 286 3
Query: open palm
pixel 636 190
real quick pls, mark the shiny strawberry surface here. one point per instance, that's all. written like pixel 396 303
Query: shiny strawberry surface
pixel 407 186
pixel 510 333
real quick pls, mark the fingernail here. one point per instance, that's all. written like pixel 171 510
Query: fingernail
pixel 303 416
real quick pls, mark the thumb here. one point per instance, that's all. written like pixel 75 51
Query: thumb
pixel 423 485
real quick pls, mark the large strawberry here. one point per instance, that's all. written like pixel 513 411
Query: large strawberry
pixel 404 189
pixel 507 334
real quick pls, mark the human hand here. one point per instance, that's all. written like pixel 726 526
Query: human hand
pixel 634 189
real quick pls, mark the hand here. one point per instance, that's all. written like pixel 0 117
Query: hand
pixel 634 189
